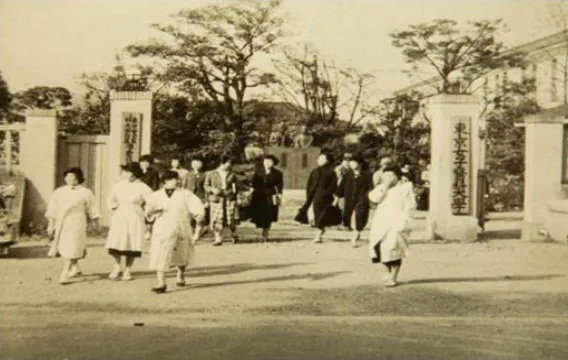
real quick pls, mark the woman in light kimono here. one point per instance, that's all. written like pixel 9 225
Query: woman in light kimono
pixel 172 208
pixel 67 213
pixel 127 225
pixel 391 223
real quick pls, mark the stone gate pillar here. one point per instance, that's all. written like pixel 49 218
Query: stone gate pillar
pixel 38 162
pixel 455 151
pixel 130 128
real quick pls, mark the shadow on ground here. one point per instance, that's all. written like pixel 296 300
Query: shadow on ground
pixel 485 279
pixel 411 299
pixel 203 271
pixel 507 234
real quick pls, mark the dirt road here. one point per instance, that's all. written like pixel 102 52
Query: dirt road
pixel 293 300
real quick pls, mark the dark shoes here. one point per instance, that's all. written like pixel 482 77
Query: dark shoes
pixel 160 289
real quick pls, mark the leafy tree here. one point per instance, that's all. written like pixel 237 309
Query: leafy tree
pixel 406 134
pixel 505 157
pixel 5 97
pixel 326 92
pixel 212 49
pixel 92 114
pixel 43 97
pixel 443 46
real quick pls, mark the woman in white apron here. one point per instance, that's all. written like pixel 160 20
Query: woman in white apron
pixel 67 212
pixel 391 223
pixel 127 225
pixel 172 209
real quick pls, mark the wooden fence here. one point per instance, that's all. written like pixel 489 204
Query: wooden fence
pixel 90 153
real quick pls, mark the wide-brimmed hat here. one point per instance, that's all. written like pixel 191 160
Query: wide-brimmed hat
pixel 133 168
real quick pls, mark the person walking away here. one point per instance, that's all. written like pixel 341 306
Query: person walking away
pixel 385 161
pixel 151 178
pixel 340 171
pixel 194 181
pixel 171 209
pixel 176 165
pixel 127 226
pixel 390 226
pixel 354 189
pixel 221 188
pixel 67 213
pixel 267 184
pixel 320 191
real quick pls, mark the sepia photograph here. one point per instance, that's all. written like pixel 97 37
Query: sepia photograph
pixel 284 179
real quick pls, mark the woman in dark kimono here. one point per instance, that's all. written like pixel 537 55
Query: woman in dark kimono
pixel 320 191
pixel 354 189
pixel 266 183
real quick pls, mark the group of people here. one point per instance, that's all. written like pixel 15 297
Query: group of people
pixel 354 189
pixel 171 209
pixel 174 209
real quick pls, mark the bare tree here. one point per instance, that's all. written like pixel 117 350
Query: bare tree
pixel 328 93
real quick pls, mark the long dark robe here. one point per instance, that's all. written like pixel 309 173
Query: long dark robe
pixel 355 190
pixel 263 212
pixel 322 185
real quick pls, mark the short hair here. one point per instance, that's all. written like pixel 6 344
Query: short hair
pixel 274 159
pixel 169 175
pixel 328 156
pixel 178 158
pixel 348 156
pixel 394 169
pixel 133 168
pixel 357 158
pixel 408 174
pixel 225 159
pixel 148 158
pixel 77 172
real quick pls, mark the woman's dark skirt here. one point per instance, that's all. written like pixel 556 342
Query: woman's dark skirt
pixel 127 253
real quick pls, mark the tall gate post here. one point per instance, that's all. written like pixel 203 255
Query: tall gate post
pixel 38 162
pixel 455 149
pixel 130 129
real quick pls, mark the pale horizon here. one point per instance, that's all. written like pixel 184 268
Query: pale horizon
pixel 52 42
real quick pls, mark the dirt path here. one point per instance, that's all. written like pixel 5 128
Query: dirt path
pixel 497 300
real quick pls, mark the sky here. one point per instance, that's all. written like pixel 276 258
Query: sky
pixel 52 42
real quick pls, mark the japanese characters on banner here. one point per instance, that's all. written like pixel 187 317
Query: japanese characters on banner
pixel 461 165
pixel 132 128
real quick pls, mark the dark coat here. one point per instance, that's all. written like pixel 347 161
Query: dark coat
pixel 322 185
pixel 195 182
pixel 355 190
pixel 151 178
pixel 263 212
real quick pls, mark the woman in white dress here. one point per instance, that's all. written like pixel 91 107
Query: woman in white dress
pixel 172 208
pixel 67 212
pixel 127 225
pixel 391 223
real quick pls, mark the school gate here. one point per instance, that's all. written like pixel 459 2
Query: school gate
pixel 90 153
pixel 45 153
